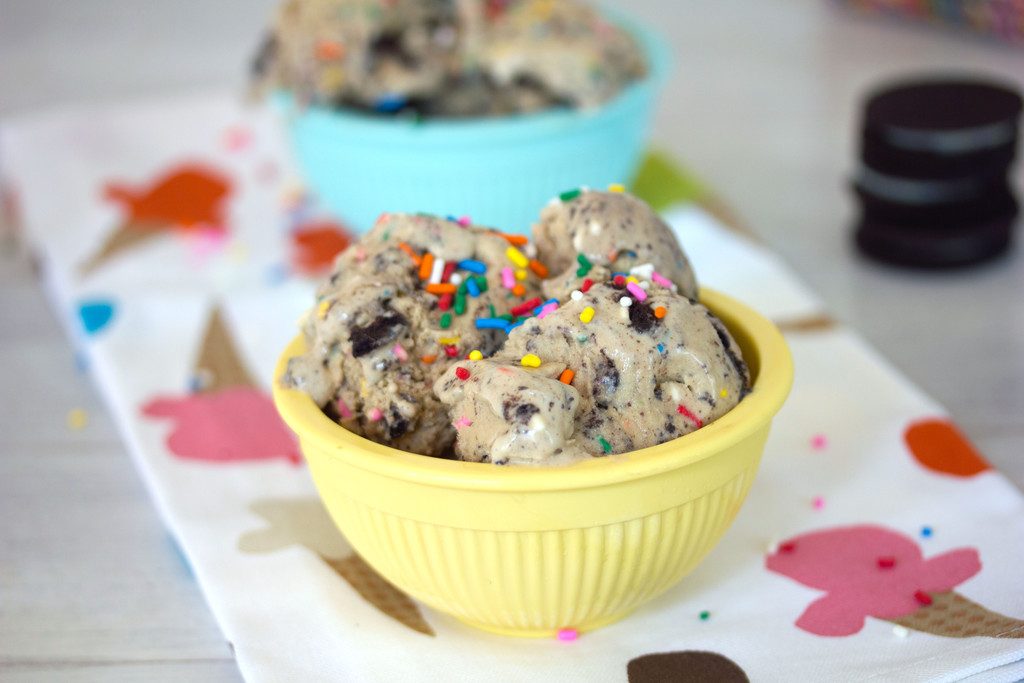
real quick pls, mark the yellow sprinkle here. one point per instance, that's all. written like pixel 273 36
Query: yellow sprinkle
pixel 364 388
pixel 632 278
pixel 516 257
pixel 77 419
pixel 530 361
pixel 448 340
pixel 723 393
pixel 521 274
pixel 475 355
pixel 587 314
pixel 616 187
pixel 322 308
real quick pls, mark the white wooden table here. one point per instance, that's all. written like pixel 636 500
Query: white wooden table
pixel 762 104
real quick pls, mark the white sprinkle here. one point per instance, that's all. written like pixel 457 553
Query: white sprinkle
pixel 625 302
pixel 456 279
pixel 530 250
pixel 595 228
pixel 645 284
pixel 900 631
pixel 644 270
pixel 436 272
pixel 576 295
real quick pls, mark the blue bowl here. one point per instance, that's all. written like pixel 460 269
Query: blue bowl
pixel 499 171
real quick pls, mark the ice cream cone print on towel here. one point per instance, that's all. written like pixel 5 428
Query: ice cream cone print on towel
pixel 939 446
pixel 870 571
pixel 304 522
pixel 184 199
pixel 226 418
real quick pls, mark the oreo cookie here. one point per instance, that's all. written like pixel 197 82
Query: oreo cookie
pixel 935 154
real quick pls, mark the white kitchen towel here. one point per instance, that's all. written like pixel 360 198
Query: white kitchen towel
pixel 176 240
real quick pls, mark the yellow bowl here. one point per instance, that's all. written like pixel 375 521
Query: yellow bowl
pixel 527 551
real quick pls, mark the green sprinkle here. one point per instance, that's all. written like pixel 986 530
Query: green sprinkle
pixel 386 236
pixel 605 446
pixel 460 303
pixel 705 615
pixel 582 259
pixel 481 282
pixel 462 288
pixel 494 313
pixel 569 195
pixel 446 321
pixel 582 339
pixel 507 316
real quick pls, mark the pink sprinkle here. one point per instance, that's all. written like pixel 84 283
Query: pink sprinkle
pixel 376 415
pixel 660 279
pixel 547 310
pixel 465 220
pixel 818 502
pixel 400 353
pixel 819 442
pixel 360 254
pixel 637 291
pixel 508 278
pixel 237 138
pixel 463 422
pixel 568 634
pixel 343 409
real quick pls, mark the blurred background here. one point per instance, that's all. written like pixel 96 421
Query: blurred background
pixel 763 105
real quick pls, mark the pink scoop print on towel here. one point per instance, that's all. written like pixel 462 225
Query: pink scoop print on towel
pixel 870 571
pixel 226 418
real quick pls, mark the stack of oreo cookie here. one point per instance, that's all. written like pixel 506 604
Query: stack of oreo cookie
pixel 933 183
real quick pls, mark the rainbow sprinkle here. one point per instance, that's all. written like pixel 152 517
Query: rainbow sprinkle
pixel 637 291
pixel 508 278
pixel 660 279
pixel 605 446
pixel 585 265
pixel 517 257
pixel 569 195
pixel 376 415
pixel 490 323
pixel 473 266
pixel 400 353
pixel 530 361
pixel 587 314
pixel 446 321
pixel 475 354
pixel 688 414
pixel 568 634
pixel 343 409
pixel 547 310
pixel 472 287
pixel 616 187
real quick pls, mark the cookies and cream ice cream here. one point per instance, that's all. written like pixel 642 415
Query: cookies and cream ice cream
pixel 447 57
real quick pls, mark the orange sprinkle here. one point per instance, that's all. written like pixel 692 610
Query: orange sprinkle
pixel 539 268
pixel 442 288
pixel 659 312
pixel 519 290
pixel 329 49
pixel 566 376
pixel 408 250
pixel 515 240
pixel 426 265
pixel 428 359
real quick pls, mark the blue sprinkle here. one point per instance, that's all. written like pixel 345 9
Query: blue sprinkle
pixel 661 348
pixel 473 265
pixel 389 104
pixel 451 218
pixel 95 315
pixel 622 274
pixel 511 326
pixel 472 287
pixel 540 308
pixel 926 532
pixel 491 323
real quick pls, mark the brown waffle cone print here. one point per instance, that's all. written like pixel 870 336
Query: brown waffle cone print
pixel 954 616
pixel 183 198
pixel 219 365
pixel 305 522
